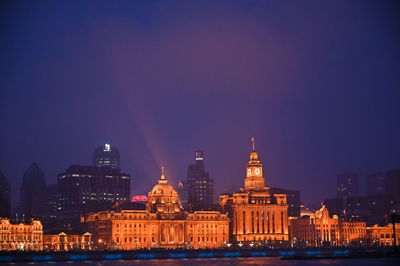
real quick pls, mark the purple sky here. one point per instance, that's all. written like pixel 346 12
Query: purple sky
pixel 317 83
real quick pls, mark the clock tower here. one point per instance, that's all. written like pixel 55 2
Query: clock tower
pixel 254 172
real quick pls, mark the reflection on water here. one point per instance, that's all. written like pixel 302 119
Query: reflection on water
pixel 271 261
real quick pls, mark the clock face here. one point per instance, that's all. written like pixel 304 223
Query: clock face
pixel 248 172
pixel 258 171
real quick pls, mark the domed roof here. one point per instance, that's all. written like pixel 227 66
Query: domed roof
pixel 163 190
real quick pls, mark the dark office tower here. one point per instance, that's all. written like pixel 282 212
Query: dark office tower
pixel 293 200
pixel 200 186
pixel 32 192
pixel 106 156
pixel 183 194
pixel 393 183
pixel 50 205
pixel 84 189
pixel 347 185
pixel 5 197
pixel 376 184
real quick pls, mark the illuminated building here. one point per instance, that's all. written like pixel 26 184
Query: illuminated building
pixel 32 192
pixel 320 229
pixel 106 156
pixel 85 189
pixel 353 233
pixel 347 185
pixel 164 224
pixel 64 242
pixel 316 230
pixel 383 235
pixel 257 215
pixel 21 236
pixel 5 197
pixel 200 185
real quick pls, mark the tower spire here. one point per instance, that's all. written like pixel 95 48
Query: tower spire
pixel 162 173
pixel 253 143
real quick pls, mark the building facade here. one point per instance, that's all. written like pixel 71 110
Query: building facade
pixel 5 197
pixel 32 193
pixel 21 236
pixel 347 185
pixel 376 184
pixel 183 194
pixel 164 224
pixel 321 230
pixel 84 189
pixel 64 242
pixel 257 215
pixel 200 185
pixel 370 209
pixel 106 156
pixel 383 235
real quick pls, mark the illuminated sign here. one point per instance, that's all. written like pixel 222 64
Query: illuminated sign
pixel 107 147
pixel 139 198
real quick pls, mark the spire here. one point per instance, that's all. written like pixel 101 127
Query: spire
pixel 253 142
pixel 162 173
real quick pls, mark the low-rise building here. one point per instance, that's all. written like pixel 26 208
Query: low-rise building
pixel 21 236
pixel 64 242
pixel 383 235
pixel 164 224
pixel 320 229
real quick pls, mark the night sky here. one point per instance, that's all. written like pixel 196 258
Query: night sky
pixel 317 83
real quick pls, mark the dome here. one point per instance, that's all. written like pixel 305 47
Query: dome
pixel 163 197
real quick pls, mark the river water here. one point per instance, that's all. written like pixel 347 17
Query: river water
pixel 270 261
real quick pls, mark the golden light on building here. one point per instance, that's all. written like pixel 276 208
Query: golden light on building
pixel 383 235
pixel 258 216
pixel 320 229
pixel 21 236
pixel 164 224
pixel 64 242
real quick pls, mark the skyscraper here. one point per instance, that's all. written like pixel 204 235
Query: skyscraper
pixel 106 156
pixel 5 197
pixel 347 185
pixel 200 186
pixel 376 184
pixel 32 192
pixel 183 194
pixel 85 189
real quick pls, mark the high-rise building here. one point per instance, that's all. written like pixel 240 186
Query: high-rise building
pixel 371 209
pixel 200 185
pixel 32 192
pixel 347 185
pixel 85 189
pixel 183 194
pixel 393 183
pixel 376 184
pixel 106 156
pixel 258 216
pixel 5 197
pixel 293 200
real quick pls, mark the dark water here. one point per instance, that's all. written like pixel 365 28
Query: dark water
pixel 271 261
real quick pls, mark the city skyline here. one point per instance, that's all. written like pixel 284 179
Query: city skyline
pixel 317 87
